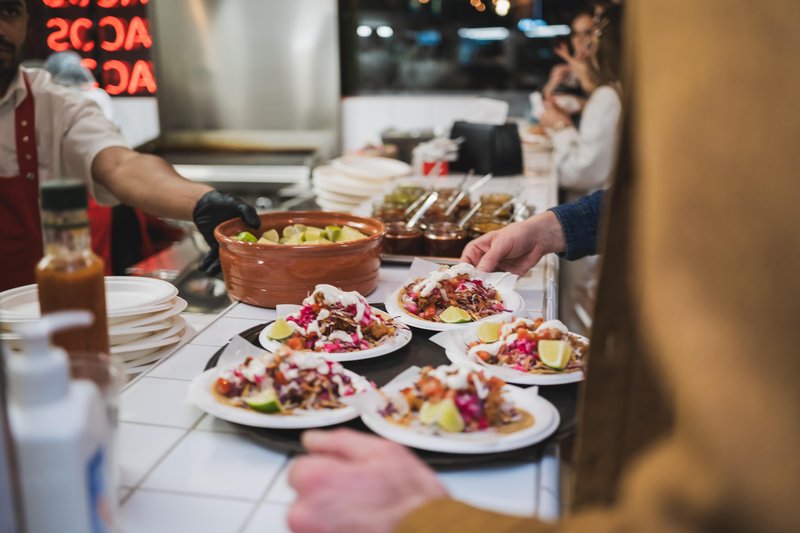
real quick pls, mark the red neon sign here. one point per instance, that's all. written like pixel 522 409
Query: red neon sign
pixel 120 77
pixel 106 4
pixel 116 43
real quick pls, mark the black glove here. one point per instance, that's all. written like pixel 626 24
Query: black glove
pixel 212 209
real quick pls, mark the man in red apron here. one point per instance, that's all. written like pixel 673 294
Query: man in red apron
pixel 48 132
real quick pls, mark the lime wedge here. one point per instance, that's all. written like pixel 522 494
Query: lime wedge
pixel 311 230
pixel 271 235
pixel 489 331
pixel 454 315
pixel 449 417
pixel 429 413
pixel 280 330
pixel 246 236
pixel 310 237
pixel 347 234
pixel 264 402
pixel 295 238
pixel 555 354
pixel 332 232
pixel 290 231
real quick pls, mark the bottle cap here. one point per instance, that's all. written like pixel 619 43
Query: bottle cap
pixel 64 195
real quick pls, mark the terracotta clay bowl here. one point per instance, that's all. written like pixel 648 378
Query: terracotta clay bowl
pixel 267 275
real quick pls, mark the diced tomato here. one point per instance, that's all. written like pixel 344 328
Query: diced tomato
pixel 295 343
pixel 523 333
pixel 495 383
pixel 485 356
pixel 428 313
pixel 431 388
pixel 280 378
pixel 315 308
pixel 224 387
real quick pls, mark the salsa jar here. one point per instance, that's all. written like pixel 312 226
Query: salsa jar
pixel 445 239
pixel 481 225
pixel 401 240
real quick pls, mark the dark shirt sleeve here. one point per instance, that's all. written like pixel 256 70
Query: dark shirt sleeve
pixel 581 222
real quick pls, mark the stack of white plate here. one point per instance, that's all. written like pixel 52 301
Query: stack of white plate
pixel 350 180
pixel 144 321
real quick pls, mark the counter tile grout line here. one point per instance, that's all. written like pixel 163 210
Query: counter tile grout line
pixel 210 345
pixel 153 424
pixel 169 379
pixel 262 500
pixel 158 461
pixel 199 495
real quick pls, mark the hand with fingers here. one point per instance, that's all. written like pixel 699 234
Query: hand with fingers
pixel 351 481
pixel 558 75
pixel 212 209
pixel 581 67
pixel 517 247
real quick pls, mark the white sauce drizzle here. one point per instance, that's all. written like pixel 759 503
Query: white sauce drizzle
pixel 426 286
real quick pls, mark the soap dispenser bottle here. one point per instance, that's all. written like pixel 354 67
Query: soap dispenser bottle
pixel 61 433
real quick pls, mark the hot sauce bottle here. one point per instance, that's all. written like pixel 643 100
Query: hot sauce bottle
pixel 69 275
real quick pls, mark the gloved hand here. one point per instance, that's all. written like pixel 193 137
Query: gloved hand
pixel 212 209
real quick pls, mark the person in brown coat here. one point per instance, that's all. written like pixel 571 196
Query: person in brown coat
pixel 690 415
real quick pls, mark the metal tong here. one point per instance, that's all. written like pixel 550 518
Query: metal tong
pixel 472 188
pixel 437 167
pixel 510 202
pixel 414 220
pixel 460 194
pixel 469 215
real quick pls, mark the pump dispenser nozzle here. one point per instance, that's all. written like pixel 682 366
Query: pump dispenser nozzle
pixel 41 373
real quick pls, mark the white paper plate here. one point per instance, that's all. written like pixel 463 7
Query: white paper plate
pixel 143 363
pixel 116 317
pixel 153 322
pixel 174 326
pixel 123 295
pixel 135 356
pixel 328 178
pixel 338 198
pixel 545 415
pixel 327 205
pixel 511 299
pixel 200 394
pixel 397 341
pixel 138 366
pixel 130 352
pixel 470 334
pixel 176 306
pixel 371 168
pixel 119 336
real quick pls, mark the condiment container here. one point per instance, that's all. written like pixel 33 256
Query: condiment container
pixel 445 239
pixel 401 240
pixel 483 225
pixel 69 275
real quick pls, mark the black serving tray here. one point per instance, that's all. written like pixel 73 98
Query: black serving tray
pixel 420 352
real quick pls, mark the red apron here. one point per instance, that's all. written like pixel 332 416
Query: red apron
pixel 21 244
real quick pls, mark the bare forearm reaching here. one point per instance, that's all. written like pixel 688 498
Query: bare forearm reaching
pixel 147 182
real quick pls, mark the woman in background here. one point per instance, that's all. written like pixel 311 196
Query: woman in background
pixel 584 157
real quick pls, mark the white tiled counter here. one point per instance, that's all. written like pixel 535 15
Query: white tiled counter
pixel 182 470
